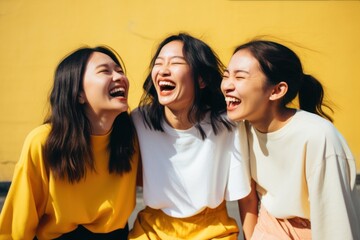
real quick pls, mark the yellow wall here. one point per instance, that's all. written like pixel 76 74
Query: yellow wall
pixel 35 35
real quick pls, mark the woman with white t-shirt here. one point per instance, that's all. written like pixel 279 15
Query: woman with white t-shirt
pixel 190 151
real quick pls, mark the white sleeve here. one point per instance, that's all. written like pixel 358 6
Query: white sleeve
pixel 239 174
pixel 332 193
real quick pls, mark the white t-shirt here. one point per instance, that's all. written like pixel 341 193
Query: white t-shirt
pixel 183 174
pixel 306 169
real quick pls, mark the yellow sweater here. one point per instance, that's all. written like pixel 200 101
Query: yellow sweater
pixel 37 204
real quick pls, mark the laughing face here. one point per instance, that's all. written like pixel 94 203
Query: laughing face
pixel 245 88
pixel 172 78
pixel 105 87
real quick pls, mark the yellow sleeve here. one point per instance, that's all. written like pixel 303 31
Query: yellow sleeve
pixel 27 197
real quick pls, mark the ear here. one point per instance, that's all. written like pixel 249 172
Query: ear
pixel 279 91
pixel 81 98
pixel 202 84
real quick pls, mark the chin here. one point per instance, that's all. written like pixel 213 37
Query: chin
pixel 234 117
pixel 122 109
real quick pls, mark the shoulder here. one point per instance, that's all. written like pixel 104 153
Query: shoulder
pixel 134 112
pixel 136 116
pixel 314 124
pixel 38 134
pixel 36 139
pixel 321 132
pixel 33 145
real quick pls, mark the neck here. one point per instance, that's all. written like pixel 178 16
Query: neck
pixel 275 120
pixel 101 125
pixel 177 119
pixel 101 128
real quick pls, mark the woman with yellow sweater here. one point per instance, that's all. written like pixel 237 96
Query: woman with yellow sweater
pixel 76 175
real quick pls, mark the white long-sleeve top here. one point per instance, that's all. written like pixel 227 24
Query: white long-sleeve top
pixel 306 169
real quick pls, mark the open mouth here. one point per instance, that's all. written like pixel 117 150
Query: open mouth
pixel 232 101
pixel 117 92
pixel 166 86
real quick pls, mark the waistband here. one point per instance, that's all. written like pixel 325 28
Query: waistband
pixel 207 210
pixel 83 233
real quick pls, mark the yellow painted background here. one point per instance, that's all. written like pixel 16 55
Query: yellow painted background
pixel 35 35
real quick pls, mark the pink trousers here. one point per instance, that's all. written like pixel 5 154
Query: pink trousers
pixel 270 228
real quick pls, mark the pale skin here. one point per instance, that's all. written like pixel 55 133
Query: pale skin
pixel 172 78
pixel 105 91
pixel 250 97
pixel 173 81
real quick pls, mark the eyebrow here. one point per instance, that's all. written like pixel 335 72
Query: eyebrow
pixel 107 65
pixel 172 57
pixel 237 71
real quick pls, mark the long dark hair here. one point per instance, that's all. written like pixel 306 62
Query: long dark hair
pixel 281 64
pixel 205 65
pixel 67 151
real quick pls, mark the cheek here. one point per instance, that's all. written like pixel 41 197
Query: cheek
pixel 184 76
pixel 153 73
pixel 249 88
pixel 222 86
pixel 96 88
pixel 257 99
pixel 241 88
pixel 127 82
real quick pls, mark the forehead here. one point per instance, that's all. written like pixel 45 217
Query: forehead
pixel 98 58
pixel 173 48
pixel 243 60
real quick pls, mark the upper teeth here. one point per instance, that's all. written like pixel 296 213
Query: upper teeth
pixel 166 83
pixel 117 90
pixel 231 99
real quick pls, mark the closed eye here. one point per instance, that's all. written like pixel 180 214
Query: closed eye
pixel 240 77
pixel 119 70
pixel 104 70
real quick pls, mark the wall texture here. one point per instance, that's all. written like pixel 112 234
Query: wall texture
pixel 36 34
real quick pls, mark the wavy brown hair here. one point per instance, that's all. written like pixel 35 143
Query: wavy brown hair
pixel 67 151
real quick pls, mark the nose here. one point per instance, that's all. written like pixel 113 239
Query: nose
pixel 164 70
pixel 227 86
pixel 117 76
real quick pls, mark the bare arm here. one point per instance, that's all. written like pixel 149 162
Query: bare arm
pixel 248 207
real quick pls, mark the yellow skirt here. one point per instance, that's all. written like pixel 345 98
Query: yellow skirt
pixel 208 224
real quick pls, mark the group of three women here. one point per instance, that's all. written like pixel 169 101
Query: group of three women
pixel 290 169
